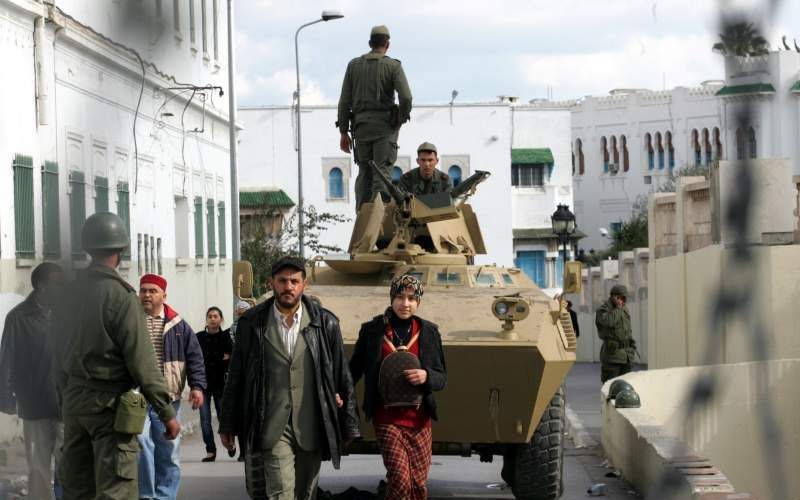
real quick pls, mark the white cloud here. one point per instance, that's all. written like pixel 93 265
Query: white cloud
pixel 488 48
pixel 640 62
pixel 282 84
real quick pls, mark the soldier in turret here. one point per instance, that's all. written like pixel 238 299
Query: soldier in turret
pixel 426 178
pixel 367 104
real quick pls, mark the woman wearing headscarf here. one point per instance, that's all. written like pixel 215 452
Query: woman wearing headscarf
pixel 401 358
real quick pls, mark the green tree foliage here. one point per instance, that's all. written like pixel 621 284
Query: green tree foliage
pixel 262 248
pixel 743 40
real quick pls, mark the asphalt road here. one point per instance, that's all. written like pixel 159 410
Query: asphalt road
pixel 450 477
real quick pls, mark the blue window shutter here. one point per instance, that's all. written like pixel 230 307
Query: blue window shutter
pixel 23 206
pixel 533 264
pixel 335 183
pixel 51 224
pixel 454 172
pixel 77 212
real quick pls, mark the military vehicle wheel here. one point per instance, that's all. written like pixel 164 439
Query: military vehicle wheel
pixel 535 469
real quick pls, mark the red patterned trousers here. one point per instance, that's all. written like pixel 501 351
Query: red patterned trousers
pixel 406 455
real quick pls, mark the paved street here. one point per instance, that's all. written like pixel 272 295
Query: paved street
pixel 450 477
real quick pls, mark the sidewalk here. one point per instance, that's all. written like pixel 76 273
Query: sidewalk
pixel 585 425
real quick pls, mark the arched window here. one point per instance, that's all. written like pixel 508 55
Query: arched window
pixel 397 173
pixel 707 147
pixel 696 147
pixel 751 143
pixel 740 145
pixel 615 151
pixel 660 151
pixel 455 175
pixel 717 144
pixel 335 183
pixel 670 150
pixel 581 163
pixel 625 160
pixel 648 147
pixel 604 152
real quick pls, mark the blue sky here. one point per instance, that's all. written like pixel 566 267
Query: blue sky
pixel 488 48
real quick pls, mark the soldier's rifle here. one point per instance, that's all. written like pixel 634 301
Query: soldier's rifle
pixel 398 194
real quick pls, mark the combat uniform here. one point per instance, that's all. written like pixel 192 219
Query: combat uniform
pixel 104 352
pixel 413 182
pixel 367 99
pixel 618 350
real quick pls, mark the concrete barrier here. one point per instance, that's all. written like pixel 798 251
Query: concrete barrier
pixel 720 447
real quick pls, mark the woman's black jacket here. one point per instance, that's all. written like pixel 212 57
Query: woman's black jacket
pixel 366 362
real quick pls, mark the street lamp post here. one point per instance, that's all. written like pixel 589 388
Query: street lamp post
pixel 327 15
pixel 564 227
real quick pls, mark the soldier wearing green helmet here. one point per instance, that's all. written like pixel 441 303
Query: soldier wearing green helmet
pixel 613 323
pixel 367 109
pixel 104 353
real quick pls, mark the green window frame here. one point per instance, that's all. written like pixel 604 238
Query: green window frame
pixel 23 207
pixel 211 231
pixel 124 212
pixel 222 236
pixel 77 212
pixel 101 194
pixel 51 225
pixel 198 227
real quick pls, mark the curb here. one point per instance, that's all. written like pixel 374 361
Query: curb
pixel 576 431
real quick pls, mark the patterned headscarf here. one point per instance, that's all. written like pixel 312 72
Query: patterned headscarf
pixel 403 281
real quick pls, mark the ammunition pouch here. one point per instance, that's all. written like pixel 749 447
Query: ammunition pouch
pixel 130 413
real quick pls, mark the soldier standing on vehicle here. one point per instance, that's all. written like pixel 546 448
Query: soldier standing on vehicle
pixel 614 328
pixel 367 105
pixel 426 178
pixel 104 353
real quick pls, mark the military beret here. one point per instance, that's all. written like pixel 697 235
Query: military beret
pixel 379 30
pixel 427 146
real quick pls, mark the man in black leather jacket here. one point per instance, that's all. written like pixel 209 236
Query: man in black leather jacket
pixel 289 393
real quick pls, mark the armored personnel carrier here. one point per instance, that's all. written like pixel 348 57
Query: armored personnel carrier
pixel 508 346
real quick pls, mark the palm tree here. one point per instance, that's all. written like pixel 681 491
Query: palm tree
pixel 741 39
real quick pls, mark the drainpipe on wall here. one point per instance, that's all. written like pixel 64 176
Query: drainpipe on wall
pixel 42 84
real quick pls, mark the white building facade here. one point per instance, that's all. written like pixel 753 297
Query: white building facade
pixel 516 200
pixel 769 87
pixel 116 106
pixel 627 144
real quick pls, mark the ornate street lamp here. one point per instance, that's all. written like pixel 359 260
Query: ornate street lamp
pixel 563 227
pixel 327 15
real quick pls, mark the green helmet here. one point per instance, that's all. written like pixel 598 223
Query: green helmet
pixel 619 290
pixel 104 231
pixel 618 386
pixel 627 398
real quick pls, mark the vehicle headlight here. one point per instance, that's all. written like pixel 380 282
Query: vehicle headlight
pixel 500 308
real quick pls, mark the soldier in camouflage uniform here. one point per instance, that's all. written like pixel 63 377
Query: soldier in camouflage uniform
pixel 104 352
pixel 426 178
pixel 613 323
pixel 367 104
